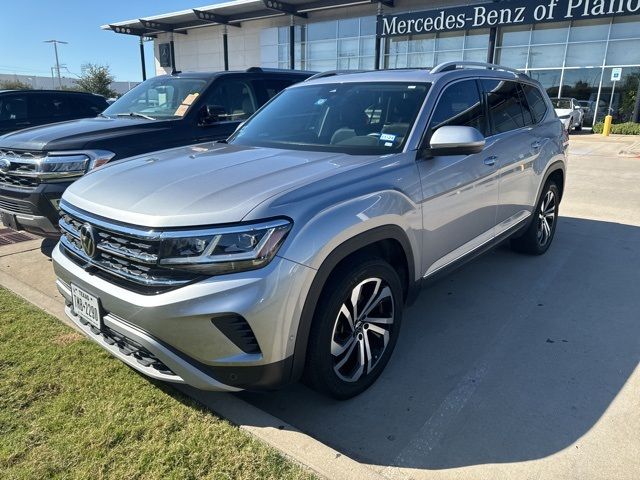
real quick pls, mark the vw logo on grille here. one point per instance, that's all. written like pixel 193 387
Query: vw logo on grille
pixel 5 164
pixel 88 240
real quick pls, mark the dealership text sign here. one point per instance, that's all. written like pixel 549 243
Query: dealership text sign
pixel 502 14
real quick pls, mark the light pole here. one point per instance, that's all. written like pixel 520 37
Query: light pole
pixel 55 48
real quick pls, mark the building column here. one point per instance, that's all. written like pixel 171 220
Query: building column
pixel 493 32
pixel 173 56
pixel 292 45
pixel 376 61
pixel 142 62
pixel 225 48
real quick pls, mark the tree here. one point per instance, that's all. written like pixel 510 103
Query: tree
pixel 14 85
pixel 96 79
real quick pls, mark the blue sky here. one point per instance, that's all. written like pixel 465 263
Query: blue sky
pixel 26 24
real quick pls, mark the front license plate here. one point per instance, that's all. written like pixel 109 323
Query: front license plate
pixel 86 306
pixel 9 220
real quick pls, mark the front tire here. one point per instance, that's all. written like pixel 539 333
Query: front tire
pixel 538 236
pixel 355 328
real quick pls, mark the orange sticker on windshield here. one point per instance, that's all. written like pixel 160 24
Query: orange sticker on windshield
pixel 181 110
pixel 190 99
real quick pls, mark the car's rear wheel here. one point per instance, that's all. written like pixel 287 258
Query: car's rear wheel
pixel 355 328
pixel 539 235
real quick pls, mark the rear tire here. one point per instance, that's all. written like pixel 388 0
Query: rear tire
pixel 355 327
pixel 579 127
pixel 539 234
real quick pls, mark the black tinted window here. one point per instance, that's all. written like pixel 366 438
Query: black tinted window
pixel 459 104
pixel 45 106
pixel 13 107
pixel 235 97
pixel 275 85
pixel 536 102
pixel 505 105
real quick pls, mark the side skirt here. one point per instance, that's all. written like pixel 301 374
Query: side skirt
pixel 511 232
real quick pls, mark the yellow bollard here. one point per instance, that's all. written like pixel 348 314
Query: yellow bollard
pixel 606 130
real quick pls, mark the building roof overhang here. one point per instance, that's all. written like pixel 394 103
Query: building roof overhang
pixel 231 13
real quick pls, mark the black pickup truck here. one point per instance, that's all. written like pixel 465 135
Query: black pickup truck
pixel 38 164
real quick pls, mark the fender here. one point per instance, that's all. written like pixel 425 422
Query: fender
pixel 369 237
pixel 553 167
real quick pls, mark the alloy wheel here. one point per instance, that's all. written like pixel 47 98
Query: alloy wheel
pixel 362 329
pixel 546 218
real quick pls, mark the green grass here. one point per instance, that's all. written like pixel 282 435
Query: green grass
pixel 70 410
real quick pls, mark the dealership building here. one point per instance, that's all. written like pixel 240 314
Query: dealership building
pixel 573 47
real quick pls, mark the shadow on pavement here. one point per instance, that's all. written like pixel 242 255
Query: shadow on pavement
pixel 511 358
pixel 47 246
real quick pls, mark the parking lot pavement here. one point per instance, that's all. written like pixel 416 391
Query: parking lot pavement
pixel 511 367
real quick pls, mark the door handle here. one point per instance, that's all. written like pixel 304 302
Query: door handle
pixel 536 145
pixel 490 160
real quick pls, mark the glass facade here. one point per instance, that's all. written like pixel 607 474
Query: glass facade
pixel 347 44
pixel 570 59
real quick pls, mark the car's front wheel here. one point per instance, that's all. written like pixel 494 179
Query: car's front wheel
pixel 355 328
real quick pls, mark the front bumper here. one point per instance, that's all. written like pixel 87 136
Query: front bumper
pixel 35 209
pixel 176 329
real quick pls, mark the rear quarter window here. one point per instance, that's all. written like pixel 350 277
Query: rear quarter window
pixel 536 101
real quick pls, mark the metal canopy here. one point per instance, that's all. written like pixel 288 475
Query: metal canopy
pixel 230 13
pixel 208 17
pixel 283 7
pixel 163 27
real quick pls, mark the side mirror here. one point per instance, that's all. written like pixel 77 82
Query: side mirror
pixel 212 114
pixel 456 140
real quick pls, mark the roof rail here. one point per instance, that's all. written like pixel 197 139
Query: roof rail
pixel 333 73
pixel 287 70
pixel 448 66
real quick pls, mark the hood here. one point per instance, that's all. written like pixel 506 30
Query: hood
pixel 77 134
pixel 194 186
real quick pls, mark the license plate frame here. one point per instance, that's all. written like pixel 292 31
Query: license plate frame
pixel 86 306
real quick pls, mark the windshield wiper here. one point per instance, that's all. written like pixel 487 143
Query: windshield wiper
pixel 134 114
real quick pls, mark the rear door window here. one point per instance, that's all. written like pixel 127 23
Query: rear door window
pixel 236 97
pixel 273 86
pixel 459 104
pixel 505 105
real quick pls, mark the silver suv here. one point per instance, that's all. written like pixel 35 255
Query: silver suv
pixel 291 250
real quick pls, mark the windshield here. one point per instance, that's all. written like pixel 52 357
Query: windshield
pixel 356 118
pixel 561 103
pixel 159 98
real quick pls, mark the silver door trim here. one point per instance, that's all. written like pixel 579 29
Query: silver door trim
pixel 477 242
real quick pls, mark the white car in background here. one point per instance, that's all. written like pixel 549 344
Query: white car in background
pixel 570 112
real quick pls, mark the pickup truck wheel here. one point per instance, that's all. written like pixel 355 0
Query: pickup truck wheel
pixel 355 328
pixel 539 235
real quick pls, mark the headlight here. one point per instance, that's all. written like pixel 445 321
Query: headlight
pixel 224 250
pixel 564 117
pixel 72 164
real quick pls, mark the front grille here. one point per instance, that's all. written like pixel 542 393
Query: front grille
pixel 129 347
pixel 17 181
pixel 21 163
pixel 122 257
pixel 14 206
